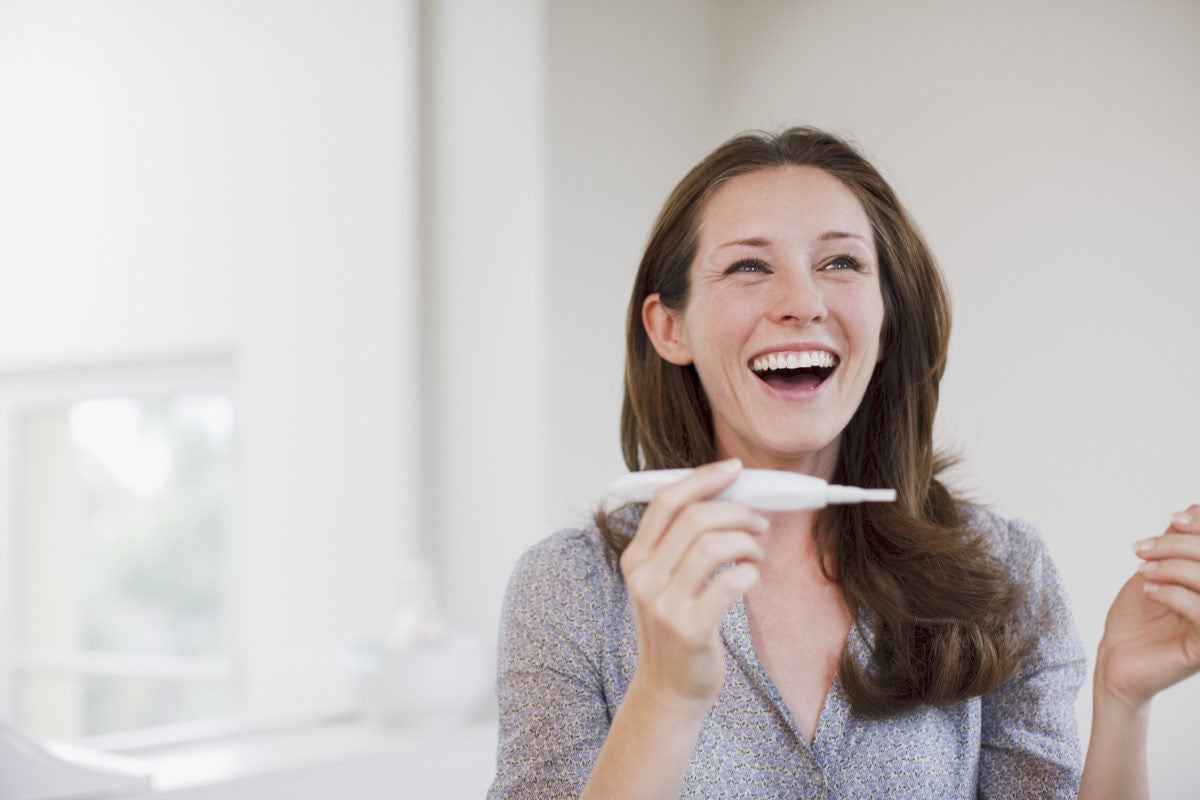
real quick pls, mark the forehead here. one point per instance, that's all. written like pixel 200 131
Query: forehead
pixel 793 199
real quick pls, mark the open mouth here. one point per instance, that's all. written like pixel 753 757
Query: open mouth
pixel 803 370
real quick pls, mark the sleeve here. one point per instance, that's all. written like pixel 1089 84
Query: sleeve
pixel 1029 738
pixel 553 713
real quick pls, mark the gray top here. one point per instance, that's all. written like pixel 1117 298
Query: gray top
pixel 568 650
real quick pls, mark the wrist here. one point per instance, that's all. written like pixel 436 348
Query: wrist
pixel 1115 766
pixel 665 705
pixel 648 747
pixel 1115 688
pixel 1112 706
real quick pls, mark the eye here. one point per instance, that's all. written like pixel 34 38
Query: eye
pixel 748 265
pixel 845 261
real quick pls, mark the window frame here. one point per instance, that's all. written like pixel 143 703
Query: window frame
pixel 25 390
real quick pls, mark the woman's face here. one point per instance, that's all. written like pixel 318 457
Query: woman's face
pixel 783 317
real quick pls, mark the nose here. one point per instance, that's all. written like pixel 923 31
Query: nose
pixel 797 298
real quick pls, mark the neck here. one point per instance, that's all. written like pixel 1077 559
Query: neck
pixel 790 545
pixel 818 463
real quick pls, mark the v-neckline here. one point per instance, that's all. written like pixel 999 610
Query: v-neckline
pixel 832 718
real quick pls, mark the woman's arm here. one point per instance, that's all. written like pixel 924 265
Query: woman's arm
pixel 1115 766
pixel 556 738
pixel 1151 641
pixel 551 681
pixel 678 604
pixel 648 748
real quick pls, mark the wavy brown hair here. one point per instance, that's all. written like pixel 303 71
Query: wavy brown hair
pixel 942 608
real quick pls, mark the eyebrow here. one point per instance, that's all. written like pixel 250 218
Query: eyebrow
pixel 825 237
pixel 758 241
pixel 753 241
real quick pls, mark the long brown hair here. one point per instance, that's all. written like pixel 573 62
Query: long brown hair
pixel 942 607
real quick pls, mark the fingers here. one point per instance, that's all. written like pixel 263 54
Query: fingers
pixel 1181 539
pixel 673 565
pixel 724 590
pixel 692 603
pixel 689 538
pixel 1171 565
pixel 703 482
pixel 1181 600
pixel 702 537
pixel 1187 521
pixel 678 509
pixel 710 552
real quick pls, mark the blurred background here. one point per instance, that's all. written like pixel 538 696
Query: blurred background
pixel 300 299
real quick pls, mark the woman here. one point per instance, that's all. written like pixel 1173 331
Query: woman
pixel 787 315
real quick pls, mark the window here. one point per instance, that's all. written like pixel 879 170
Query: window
pixel 119 507
pixel 195 229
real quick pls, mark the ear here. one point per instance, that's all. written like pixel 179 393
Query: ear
pixel 665 328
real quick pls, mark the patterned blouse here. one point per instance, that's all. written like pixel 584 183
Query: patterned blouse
pixel 568 651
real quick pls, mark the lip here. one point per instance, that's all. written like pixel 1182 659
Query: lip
pixel 794 392
pixel 794 348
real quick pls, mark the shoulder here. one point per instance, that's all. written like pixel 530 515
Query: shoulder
pixel 1021 550
pixel 1029 741
pixel 572 553
pixel 564 606
pixel 1045 613
pixel 574 561
pixel 1014 542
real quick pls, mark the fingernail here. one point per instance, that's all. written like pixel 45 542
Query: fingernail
pixel 730 464
pixel 1150 588
pixel 1181 519
pixel 1147 566
pixel 1143 545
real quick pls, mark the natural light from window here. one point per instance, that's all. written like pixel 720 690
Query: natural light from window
pixel 123 525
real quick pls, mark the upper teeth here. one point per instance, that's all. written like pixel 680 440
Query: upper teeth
pixel 802 360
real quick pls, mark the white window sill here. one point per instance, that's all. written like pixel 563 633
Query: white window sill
pixel 325 760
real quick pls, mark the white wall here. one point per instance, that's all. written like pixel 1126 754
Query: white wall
pixel 484 295
pixel 1048 151
pixel 225 176
pixel 547 150
pixel 630 110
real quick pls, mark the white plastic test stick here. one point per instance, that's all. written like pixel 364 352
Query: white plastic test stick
pixel 763 489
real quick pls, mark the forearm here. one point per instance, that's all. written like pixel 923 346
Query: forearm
pixel 647 751
pixel 1115 766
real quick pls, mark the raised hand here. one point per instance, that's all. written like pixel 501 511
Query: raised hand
pixel 1152 634
pixel 691 559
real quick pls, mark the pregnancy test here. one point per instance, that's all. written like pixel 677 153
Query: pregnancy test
pixel 763 489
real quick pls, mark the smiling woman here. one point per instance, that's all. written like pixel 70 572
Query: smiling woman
pixel 776 278
pixel 787 315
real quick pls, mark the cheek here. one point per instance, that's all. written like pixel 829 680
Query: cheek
pixel 716 330
pixel 864 323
